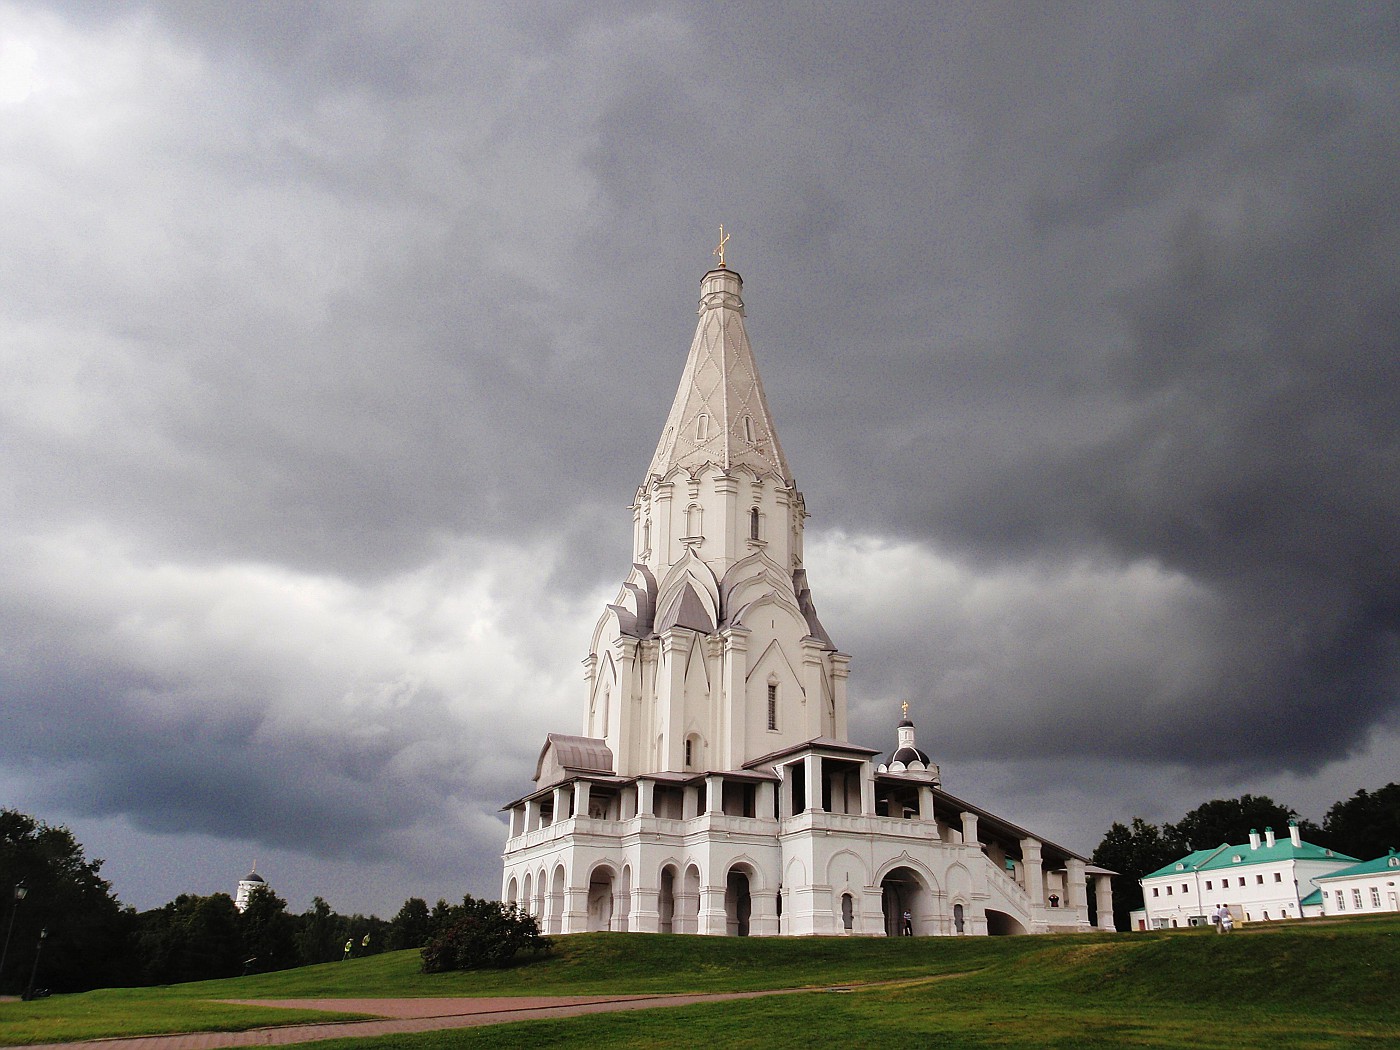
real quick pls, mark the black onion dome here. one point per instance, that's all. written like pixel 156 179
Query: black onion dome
pixel 253 876
pixel 908 755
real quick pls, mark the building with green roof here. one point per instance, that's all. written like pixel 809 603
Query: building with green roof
pixel 1368 887
pixel 1264 879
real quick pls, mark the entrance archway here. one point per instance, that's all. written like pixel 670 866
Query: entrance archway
pixel 600 899
pixel 903 892
pixel 1000 924
pixel 738 904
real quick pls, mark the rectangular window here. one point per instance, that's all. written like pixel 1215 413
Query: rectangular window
pixel 1375 897
pixel 1208 885
pixel 1278 876
pixel 1185 888
pixel 1259 880
pixel 772 706
pixel 1341 901
pixel 1241 880
pixel 1154 890
pixel 1356 897
pixel 1169 891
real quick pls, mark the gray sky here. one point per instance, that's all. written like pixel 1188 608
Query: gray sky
pixel 335 340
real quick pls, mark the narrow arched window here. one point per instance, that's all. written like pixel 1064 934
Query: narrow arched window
pixel 689 752
pixel 772 706
pixel 748 429
pixel 702 427
pixel 753 524
pixel 694 520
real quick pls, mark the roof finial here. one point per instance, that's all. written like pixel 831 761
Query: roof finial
pixel 905 707
pixel 723 240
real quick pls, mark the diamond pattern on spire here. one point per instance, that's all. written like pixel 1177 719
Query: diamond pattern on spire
pixel 719 390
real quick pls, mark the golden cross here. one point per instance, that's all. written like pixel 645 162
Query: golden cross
pixel 723 240
pixel 905 705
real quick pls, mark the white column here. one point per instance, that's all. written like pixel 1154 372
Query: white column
pixel 645 796
pixel 670 689
pixel 1103 900
pixel 840 671
pixel 812 763
pixel 713 920
pixel 714 795
pixel 969 827
pixel 763 800
pixel 581 789
pixel 867 790
pixel 1035 875
pixel 735 671
pixel 1074 886
pixel 926 802
pixel 813 685
pixel 622 729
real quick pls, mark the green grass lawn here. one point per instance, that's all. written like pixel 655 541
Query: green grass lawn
pixel 1283 985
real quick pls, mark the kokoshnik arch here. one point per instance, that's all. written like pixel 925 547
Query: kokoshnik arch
pixel 713 789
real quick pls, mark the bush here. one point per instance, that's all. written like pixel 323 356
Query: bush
pixel 482 935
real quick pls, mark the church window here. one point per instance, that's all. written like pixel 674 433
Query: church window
pixel 702 427
pixel 748 429
pixel 847 911
pixel 646 535
pixel 694 521
pixel 689 752
pixel 772 706
pixel 753 524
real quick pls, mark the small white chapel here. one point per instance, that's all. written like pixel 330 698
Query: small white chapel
pixel 713 789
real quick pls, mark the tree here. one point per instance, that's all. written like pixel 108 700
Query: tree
pixel 1133 852
pixel 1228 820
pixel 412 927
pixel 269 933
pixel 190 939
pixel 318 937
pixel 1365 825
pixel 483 934
pixel 87 929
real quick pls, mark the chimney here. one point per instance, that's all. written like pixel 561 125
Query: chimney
pixel 1294 833
pixel 1253 838
pixel 1269 837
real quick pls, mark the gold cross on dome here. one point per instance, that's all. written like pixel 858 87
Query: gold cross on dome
pixel 905 706
pixel 723 240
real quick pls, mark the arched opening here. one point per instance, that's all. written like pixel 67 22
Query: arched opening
pixel 600 899
pixel 753 523
pixel 525 900
pixel 511 891
pixel 556 901
pixel 666 900
pixel 848 912
pixel 959 922
pixel 738 904
pixel 905 901
pixel 1000 924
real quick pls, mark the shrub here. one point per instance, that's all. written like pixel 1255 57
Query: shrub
pixel 482 935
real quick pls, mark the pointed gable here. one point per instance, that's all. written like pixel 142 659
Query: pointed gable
pixel 720 414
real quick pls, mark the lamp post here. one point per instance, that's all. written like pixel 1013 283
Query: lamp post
pixel 29 994
pixel 21 891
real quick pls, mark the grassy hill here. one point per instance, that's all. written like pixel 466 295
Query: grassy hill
pixel 1281 985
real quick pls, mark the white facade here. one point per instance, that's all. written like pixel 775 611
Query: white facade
pixel 246 886
pixel 714 789
pixel 1361 889
pixel 1260 881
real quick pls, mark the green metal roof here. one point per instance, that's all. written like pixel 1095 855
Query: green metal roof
pixel 1224 856
pixel 1313 898
pixel 1390 862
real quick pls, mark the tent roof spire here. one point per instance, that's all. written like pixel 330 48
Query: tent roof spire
pixel 720 415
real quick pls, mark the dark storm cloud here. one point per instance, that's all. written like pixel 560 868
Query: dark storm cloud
pixel 337 337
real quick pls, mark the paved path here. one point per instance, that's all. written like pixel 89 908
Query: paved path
pixel 401 1015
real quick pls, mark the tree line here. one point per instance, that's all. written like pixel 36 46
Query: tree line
pixel 1364 826
pixel 91 941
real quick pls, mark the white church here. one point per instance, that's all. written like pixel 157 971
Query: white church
pixel 713 789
